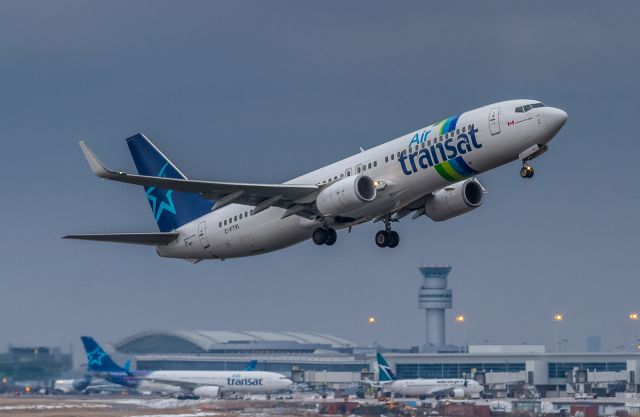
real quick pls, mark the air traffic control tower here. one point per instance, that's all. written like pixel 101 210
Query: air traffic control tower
pixel 434 298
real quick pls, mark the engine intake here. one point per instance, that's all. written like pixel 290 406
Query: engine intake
pixel 454 200
pixel 346 195
pixel 457 393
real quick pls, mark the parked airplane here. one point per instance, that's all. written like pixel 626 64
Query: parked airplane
pixel 199 383
pixel 431 172
pixel 420 387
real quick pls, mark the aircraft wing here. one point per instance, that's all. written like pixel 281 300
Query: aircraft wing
pixel 262 196
pixel 153 239
pixel 185 385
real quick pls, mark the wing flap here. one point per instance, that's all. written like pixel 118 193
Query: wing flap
pixel 153 239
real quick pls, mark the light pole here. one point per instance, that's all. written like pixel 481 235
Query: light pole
pixel 633 318
pixel 371 322
pixel 460 318
pixel 557 318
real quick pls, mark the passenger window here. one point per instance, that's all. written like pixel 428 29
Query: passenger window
pixel 458 132
pixel 423 145
pixel 470 127
pixel 240 216
pixel 235 218
pixel 386 159
pixel 358 170
pixel 230 220
pixel 429 142
pixel 369 165
pixel 225 222
pixel 392 157
pixel 375 163
pixel 246 214
pixel 341 175
pixel 220 224
pixel 335 178
pixel 251 212
pixel 398 154
pixel 463 129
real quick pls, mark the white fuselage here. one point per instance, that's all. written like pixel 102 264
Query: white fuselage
pixel 226 381
pixel 500 135
pixel 427 387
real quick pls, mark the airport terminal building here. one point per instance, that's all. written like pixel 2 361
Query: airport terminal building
pixel 325 359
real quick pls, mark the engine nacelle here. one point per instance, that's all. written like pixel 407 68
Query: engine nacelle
pixel 346 195
pixel 207 391
pixel 454 200
pixel 457 393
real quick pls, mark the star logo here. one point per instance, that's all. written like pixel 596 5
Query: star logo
pixel 95 357
pixel 161 200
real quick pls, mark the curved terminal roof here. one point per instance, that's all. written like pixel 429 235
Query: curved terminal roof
pixel 203 341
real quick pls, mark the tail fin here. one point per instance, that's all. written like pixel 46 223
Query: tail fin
pixel 384 370
pixel 171 209
pixel 97 359
pixel 251 366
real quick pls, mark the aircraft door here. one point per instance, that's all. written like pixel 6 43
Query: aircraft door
pixel 202 234
pixel 494 120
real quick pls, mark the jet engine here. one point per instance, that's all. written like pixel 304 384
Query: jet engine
pixel 207 391
pixel 454 200
pixel 457 393
pixel 346 195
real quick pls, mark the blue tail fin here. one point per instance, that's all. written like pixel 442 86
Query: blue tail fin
pixel 251 366
pixel 171 209
pixel 97 359
pixel 384 370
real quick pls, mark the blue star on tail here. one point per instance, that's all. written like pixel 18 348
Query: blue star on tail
pixel 95 357
pixel 164 197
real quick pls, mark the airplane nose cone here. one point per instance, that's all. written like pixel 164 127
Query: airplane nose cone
pixel 555 119
pixel 288 382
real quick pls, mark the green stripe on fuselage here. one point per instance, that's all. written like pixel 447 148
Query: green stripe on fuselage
pixel 443 173
pixel 451 171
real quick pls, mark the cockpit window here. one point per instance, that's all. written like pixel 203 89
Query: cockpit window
pixel 524 109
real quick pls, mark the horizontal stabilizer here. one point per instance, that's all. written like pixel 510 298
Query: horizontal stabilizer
pixel 153 239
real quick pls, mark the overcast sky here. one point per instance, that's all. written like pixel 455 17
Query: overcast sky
pixel 265 91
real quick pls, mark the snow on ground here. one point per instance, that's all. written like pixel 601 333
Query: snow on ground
pixel 157 403
pixel 197 414
pixel 54 406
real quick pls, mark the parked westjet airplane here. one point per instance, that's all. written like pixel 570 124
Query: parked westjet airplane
pixel 430 171
pixel 421 387
pixel 200 383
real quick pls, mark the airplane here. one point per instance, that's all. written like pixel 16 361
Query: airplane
pixel 211 384
pixel 430 172
pixel 421 387
pixel 71 386
pixel 84 385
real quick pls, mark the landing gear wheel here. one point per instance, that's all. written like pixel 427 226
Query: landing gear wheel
pixel 332 236
pixel 393 238
pixel 526 171
pixel 320 236
pixel 382 239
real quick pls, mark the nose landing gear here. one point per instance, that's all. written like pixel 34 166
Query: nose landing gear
pixel 387 238
pixel 526 171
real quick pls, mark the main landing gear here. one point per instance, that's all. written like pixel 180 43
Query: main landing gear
pixel 324 236
pixel 387 238
pixel 526 171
